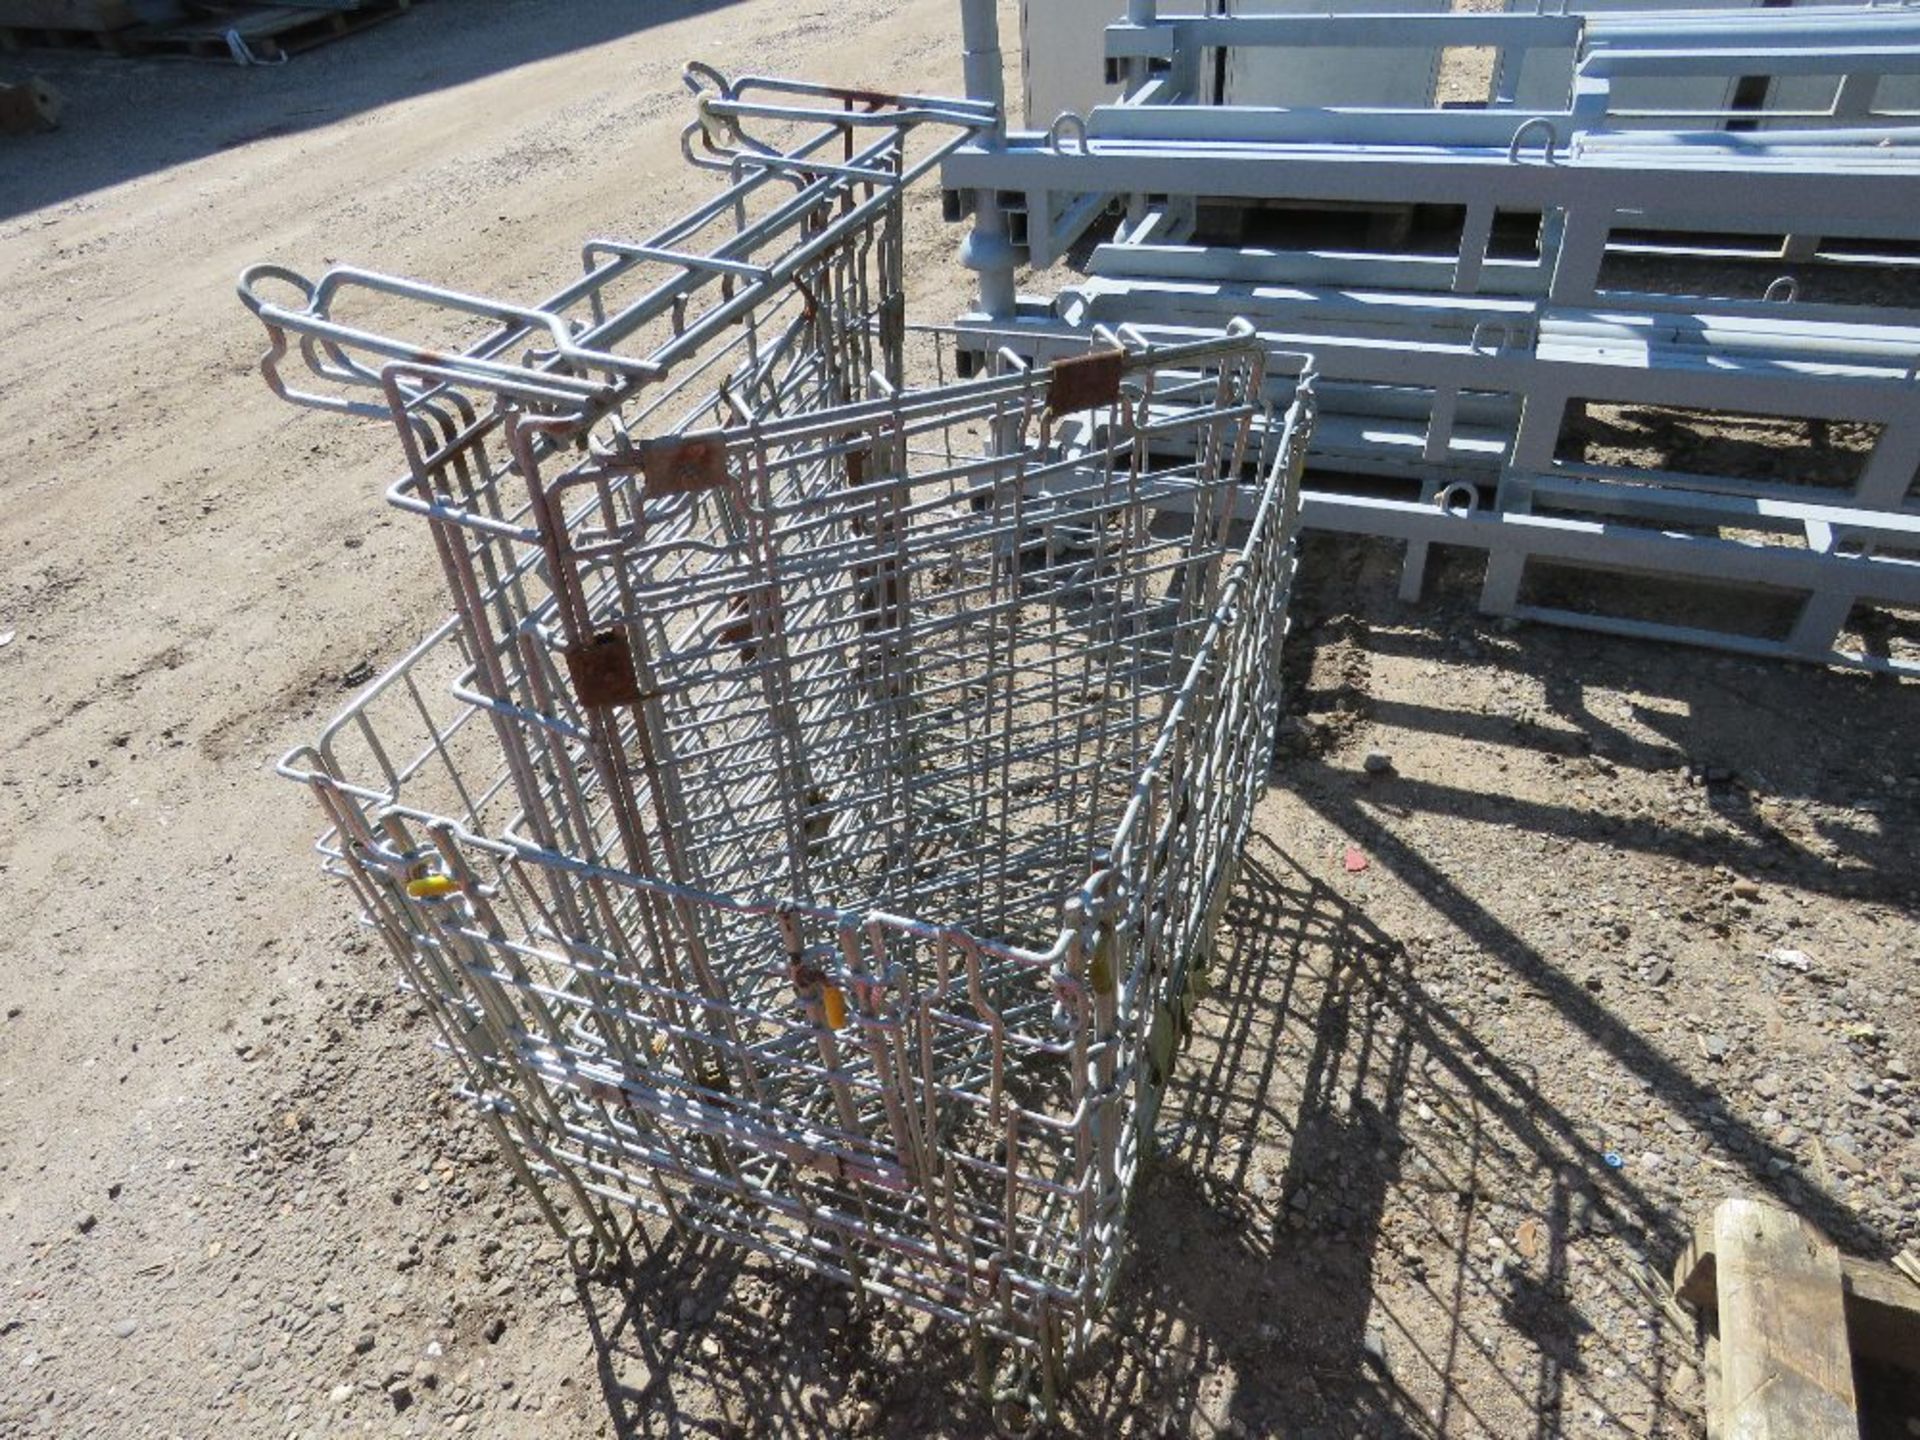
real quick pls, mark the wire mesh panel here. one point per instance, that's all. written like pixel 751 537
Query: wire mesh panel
pixel 782 293
pixel 827 861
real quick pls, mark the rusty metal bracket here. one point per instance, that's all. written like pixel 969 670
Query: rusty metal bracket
pixel 681 464
pixel 602 671
pixel 738 629
pixel 1080 382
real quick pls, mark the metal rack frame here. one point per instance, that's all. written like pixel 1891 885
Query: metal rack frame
pixel 1449 368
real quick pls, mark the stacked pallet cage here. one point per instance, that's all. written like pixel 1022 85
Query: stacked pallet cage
pixel 809 827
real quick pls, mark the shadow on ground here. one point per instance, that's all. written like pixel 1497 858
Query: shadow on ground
pixel 1371 1211
pixel 1742 734
pixel 1323 1247
pixel 124 117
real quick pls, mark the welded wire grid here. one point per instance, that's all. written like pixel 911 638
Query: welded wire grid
pixel 782 293
pixel 860 929
pixel 815 181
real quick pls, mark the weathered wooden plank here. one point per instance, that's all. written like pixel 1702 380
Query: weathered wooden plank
pixel 1882 1305
pixel 1786 1369
pixel 67 14
pixel 270 31
pixel 1883 1313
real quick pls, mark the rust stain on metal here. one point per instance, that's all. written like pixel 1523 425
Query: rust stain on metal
pixel 602 671
pixel 684 463
pixel 872 99
pixel 1081 382
pixel 738 629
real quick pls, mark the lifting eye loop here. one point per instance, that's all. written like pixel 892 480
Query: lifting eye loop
pixel 1534 122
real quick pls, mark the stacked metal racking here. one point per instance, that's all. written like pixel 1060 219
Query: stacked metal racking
pixel 809 828
pixel 1465 277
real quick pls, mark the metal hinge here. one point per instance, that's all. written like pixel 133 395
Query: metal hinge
pixel 602 671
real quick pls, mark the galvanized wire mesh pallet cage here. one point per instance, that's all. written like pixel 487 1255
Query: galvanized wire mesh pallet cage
pixel 808 830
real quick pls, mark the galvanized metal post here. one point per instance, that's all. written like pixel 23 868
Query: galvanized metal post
pixel 1139 12
pixel 1455 371
pixel 987 251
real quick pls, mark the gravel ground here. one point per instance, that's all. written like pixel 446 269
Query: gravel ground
pixel 1595 901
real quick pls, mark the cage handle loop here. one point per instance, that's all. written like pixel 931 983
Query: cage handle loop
pixel 1534 122
pixel 1498 328
pixel 1065 121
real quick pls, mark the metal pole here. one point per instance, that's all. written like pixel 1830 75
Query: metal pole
pixel 987 251
pixel 1139 12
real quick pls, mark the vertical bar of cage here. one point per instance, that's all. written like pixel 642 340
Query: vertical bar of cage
pixel 607 752
pixel 495 1013
pixel 815 1013
pixel 802 802
pixel 869 1019
pixel 498 1005
pixel 605 903
pixel 894 621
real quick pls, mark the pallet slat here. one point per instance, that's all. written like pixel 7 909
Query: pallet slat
pixel 1883 1313
pixel 1786 1303
pixel 1883 1305
pixel 258 32
pixel 66 14
pixel 1785 1365
pixel 271 31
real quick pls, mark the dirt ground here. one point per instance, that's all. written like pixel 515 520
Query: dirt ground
pixel 1610 903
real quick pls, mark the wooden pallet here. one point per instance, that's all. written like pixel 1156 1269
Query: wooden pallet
pixel 66 15
pixel 265 32
pixel 269 32
pixel 48 37
pixel 1788 1317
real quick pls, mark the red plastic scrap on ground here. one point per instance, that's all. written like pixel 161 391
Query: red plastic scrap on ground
pixel 1355 861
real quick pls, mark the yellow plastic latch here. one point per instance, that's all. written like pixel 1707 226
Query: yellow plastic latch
pixel 1100 968
pixel 433 887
